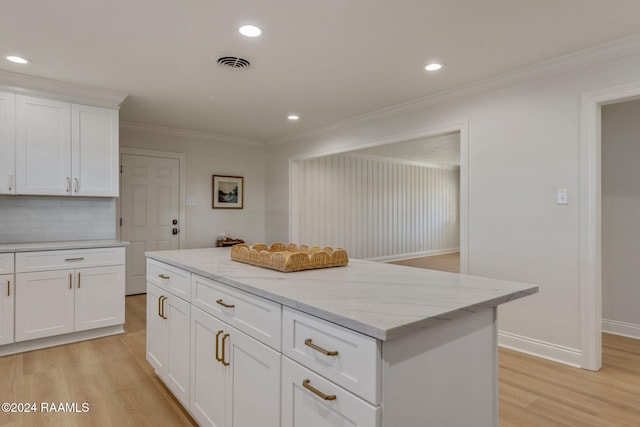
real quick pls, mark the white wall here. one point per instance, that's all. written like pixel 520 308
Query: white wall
pixel 524 143
pixel 206 156
pixel 621 218
pixel 376 207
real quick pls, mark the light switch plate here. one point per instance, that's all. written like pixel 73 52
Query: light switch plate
pixel 562 196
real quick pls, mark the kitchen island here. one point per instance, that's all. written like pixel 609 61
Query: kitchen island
pixel 368 344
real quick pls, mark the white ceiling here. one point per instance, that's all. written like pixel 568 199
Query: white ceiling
pixel 325 60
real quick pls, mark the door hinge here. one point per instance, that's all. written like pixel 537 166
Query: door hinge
pixel 120 168
pixel 120 222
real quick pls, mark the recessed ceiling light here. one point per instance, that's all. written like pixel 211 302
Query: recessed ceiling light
pixel 293 117
pixel 17 59
pixel 250 31
pixel 434 66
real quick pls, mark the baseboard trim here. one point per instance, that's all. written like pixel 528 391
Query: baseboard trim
pixel 557 353
pixel 411 255
pixel 40 343
pixel 624 329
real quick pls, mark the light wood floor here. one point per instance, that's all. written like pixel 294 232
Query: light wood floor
pixel 111 374
pixel 446 262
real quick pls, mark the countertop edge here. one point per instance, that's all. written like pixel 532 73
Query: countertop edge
pixel 64 245
pixel 348 322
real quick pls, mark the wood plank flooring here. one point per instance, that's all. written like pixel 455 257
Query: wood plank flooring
pixel 112 375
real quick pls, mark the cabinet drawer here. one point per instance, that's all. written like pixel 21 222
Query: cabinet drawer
pixel 169 278
pixel 6 263
pixel 302 406
pixel 346 357
pixel 256 316
pixel 60 260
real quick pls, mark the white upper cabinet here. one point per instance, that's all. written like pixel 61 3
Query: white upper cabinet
pixel 7 143
pixel 43 149
pixel 94 157
pixel 65 149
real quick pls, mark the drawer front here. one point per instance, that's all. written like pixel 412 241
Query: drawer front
pixel 303 403
pixel 59 260
pixel 256 316
pixel 353 360
pixel 169 278
pixel 6 263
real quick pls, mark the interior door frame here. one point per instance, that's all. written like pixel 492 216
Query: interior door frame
pixel 591 217
pixel 182 187
pixel 461 126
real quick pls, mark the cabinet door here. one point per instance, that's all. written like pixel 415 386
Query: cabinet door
pixel 99 299
pixel 253 397
pixel 309 400
pixel 43 146
pixel 94 159
pixel 208 374
pixel 157 338
pixel 7 296
pixel 178 318
pixel 7 143
pixel 43 304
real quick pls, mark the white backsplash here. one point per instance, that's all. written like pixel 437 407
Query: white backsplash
pixel 28 219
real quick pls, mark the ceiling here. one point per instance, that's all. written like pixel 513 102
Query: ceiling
pixel 442 150
pixel 326 60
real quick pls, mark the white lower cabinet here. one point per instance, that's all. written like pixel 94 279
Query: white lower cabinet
pixel 7 296
pixel 309 400
pixel 57 302
pixel 235 380
pixel 168 324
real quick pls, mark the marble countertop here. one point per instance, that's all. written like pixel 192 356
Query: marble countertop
pixel 54 246
pixel 380 300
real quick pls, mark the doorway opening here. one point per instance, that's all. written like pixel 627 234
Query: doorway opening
pixel 402 198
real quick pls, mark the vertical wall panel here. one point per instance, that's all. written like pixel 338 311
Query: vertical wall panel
pixel 376 208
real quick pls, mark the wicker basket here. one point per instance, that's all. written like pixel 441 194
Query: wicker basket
pixel 291 257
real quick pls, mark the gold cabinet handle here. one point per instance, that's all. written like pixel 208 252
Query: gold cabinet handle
pixel 8 288
pixel 307 384
pixel 225 305
pixel 218 358
pixel 74 259
pixel 68 185
pixel 70 280
pixel 163 315
pixel 159 301
pixel 164 276
pixel 309 343
pixel 225 363
pixel 76 184
pixel 78 280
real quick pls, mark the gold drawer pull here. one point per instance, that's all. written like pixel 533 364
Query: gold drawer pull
pixel 218 358
pixel 307 384
pixel 74 259
pixel 225 305
pixel 164 276
pixel 224 362
pixel 8 288
pixel 162 313
pixel 310 343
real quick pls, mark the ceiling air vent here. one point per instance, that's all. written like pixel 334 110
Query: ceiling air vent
pixel 234 63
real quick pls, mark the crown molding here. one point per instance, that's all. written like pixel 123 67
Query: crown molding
pixel 63 91
pixel 185 133
pixel 593 55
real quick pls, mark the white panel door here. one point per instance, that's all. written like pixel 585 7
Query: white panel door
pixel 94 159
pixel 43 146
pixel 208 374
pixel 99 300
pixel 253 397
pixel 7 143
pixel 7 296
pixel 149 204
pixel 157 337
pixel 44 304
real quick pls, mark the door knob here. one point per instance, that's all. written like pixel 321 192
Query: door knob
pixel 175 231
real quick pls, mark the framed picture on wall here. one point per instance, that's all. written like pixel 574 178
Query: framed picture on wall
pixel 228 192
